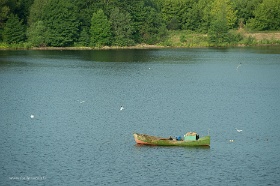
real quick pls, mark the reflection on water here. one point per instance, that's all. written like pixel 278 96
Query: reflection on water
pixel 79 136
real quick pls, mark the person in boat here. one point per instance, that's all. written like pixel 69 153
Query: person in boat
pixel 197 136
pixel 170 138
pixel 178 138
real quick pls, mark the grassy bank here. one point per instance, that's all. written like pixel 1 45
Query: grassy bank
pixel 185 38
pixel 195 40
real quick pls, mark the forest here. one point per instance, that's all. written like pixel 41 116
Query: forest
pixel 98 23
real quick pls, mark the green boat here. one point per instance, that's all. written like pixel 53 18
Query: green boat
pixel 190 139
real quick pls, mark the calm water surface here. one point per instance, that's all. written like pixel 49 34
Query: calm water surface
pixel 79 136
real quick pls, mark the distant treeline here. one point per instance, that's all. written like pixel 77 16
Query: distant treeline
pixel 97 23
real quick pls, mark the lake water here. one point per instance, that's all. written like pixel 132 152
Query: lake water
pixel 61 123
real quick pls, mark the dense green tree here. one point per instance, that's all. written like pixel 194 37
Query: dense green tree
pixel 84 38
pixel 182 14
pixel 6 7
pixel 245 9
pixel 121 27
pixel 137 12
pixel 100 30
pixel 225 8
pixel 218 31
pixel 153 29
pixel 22 9
pixel 172 13
pixel 192 16
pixel 85 10
pixel 146 20
pixel 18 7
pixel 187 14
pixel 36 11
pixel 204 7
pixel 61 20
pixel 267 16
pixel 38 35
pixel 222 18
pixel 37 32
pixel 14 31
pixel 4 12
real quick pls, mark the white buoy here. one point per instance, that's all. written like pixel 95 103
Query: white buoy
pixel 32 116
pixel 121 108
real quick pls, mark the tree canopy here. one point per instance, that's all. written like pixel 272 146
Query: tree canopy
pixel 14 31
pixel 100 29
pixel 127 22
pixel 267 16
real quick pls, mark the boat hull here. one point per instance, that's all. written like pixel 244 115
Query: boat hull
pixel 145 139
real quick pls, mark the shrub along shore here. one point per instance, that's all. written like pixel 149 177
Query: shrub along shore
pixel 176 39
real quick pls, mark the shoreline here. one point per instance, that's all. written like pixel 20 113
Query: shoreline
pixel 142 46
pixel 137 47
pixel 133 47
pixel 174 40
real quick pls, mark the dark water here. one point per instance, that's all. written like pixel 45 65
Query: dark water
pixel 79 136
